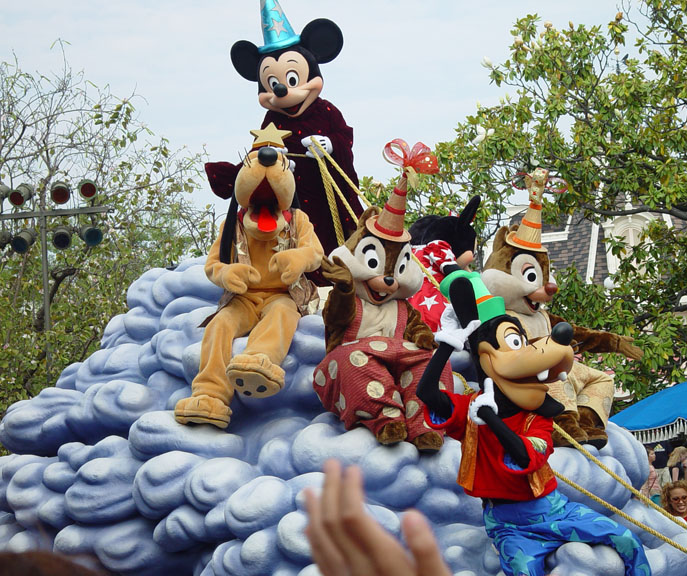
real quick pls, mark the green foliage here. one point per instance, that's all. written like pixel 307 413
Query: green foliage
pixel 613 127
pixel 64 128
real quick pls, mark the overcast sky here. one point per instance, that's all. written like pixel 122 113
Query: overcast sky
pixel 409 68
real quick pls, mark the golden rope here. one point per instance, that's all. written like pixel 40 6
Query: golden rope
pixel 331 200
pixel 326 177
pixel 613 475
pixel 340 171
pixel 621 513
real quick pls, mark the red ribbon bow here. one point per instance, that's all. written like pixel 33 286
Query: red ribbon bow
pixel 420 158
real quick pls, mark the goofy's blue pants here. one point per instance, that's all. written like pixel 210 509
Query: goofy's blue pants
pixel 524 533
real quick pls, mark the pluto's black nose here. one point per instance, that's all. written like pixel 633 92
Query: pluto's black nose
pixel 267 156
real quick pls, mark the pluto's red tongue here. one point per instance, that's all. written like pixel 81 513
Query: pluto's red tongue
pixel 266 222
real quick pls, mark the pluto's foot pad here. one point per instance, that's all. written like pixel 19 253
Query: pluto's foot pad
pixel 255 376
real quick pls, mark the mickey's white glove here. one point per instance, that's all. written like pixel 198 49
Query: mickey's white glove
pixel 485 399
pixel 451 331
pixel 284 151
pixel 312 151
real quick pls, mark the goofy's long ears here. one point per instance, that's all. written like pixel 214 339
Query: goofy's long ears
pixel 462 297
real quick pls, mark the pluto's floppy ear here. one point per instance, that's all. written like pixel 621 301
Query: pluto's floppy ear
pixel 229 232
pixel 245 58
pixel 323 38
pixel 222 176
pixel 468 214
pixel 462 297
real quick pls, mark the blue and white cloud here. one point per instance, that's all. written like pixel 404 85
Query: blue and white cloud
pixel 101 468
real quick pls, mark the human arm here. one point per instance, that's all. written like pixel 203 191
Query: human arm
pixel 428 390
pixel 513 445
pixel 340 308
pixel 326 120
pixel 345 540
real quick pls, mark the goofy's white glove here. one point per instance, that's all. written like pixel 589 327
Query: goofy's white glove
pixel 312 150
pixel 451 331
pixel 484 399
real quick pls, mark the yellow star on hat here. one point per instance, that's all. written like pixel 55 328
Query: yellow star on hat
pixel 269 136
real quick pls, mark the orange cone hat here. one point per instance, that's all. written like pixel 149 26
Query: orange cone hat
pixel 528 234
pixel 389 224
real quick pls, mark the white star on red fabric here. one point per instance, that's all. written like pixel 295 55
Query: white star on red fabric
pixel 429 301
pixel 432 258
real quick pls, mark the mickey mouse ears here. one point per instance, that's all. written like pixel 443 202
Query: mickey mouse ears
pixel 277 32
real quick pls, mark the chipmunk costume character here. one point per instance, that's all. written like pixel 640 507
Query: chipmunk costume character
pixel 377 344
pixel 518 271
pixel 259 259
pixel 505 434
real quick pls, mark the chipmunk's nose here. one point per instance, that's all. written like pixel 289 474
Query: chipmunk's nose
pixel 388 280
pixel 562 333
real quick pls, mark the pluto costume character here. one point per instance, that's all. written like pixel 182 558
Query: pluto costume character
pixel 377 344
pixel 259 259
pixel 518 271
pixel 505 434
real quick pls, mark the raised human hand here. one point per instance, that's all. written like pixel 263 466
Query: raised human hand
pixel 452 332
pixel 346 541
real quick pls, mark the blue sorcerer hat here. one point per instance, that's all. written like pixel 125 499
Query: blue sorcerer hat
pixel 276 30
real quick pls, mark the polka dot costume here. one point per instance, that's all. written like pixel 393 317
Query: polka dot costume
pixel 371 381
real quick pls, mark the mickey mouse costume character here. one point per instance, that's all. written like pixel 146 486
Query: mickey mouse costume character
pixel 440 242
pixel 505 433
pixel 289 81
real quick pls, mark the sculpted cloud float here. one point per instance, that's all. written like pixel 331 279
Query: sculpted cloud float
pixel 100 466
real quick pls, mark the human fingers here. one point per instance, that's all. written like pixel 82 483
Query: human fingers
pixel 336 514
pixel 423 545
pixel 383 554
pixel 324 553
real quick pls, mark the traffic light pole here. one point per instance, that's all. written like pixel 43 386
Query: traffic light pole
pixel 42 215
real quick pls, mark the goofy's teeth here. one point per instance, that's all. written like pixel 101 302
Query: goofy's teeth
pixel 543 375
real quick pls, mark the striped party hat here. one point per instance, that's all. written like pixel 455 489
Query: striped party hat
pixel 528 234
pixel 389 224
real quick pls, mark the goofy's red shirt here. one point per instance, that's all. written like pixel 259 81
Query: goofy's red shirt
pixel 486 471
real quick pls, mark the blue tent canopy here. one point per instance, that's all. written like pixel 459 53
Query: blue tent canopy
pixel 659 417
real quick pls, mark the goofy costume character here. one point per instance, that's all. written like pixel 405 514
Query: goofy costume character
pixel 505 434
